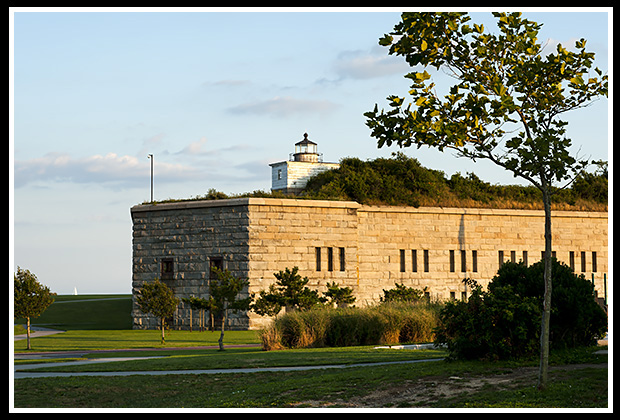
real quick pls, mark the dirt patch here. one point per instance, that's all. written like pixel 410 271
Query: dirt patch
pixel 423 391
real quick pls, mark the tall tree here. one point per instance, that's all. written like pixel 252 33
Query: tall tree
pixel 505 107
pixel 158 299
pixel 31 298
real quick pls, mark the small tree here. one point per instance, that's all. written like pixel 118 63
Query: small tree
pixel 402 293
pixel 340 296
pixel 289 291
pixel 31 298
pixel 225 291
pixel 158 300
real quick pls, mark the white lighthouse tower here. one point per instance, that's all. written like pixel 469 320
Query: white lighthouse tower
pixel 292 175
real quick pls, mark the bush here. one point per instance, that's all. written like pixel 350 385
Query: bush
pixel 402 293
pixel 504 322
pixel 387 323
pixel 402 180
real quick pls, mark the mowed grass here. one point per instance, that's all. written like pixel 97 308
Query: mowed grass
pixel 84 340
pixel 103 322
pixel 372 386
pixel 86 312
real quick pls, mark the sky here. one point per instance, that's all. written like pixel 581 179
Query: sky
pixel 215 95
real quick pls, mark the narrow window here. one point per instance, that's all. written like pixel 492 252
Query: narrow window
pixel 583 262
pixel 571 260
pixel 330 259
pixel 513 256
pixel 525 258
pixel 167 269
pixel 414 260
pixel 318 258
pixel 594 262
pixel 474 261
pixel 402 260
pixel 452 261
pixel 215 262
pixel 452 295
pixel 341 259
pixel 426 261
pixel 500 256
pixel 279 174
pixel 463 261
pixel 553 254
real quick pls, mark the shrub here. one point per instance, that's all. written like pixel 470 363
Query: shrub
pixel 404 181
pixel 402 293
pixel 504 322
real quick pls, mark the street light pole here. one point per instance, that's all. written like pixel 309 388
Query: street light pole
pixel 150 156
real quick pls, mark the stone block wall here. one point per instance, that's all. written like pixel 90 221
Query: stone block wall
pixel 289 233
pixel 191 236
pixel 367 248
pixel 450 244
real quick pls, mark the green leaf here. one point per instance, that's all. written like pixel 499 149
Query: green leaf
pixel 423 76
pixel 386 40
pixel 577 80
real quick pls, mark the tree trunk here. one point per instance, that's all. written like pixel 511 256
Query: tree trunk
pixel 27 333
pixel 546 315
pixel 163 339
pixel 221 340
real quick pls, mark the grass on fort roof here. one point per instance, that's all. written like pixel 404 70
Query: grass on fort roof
pixel 403 181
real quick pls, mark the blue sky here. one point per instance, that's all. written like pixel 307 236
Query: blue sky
pixel 215 96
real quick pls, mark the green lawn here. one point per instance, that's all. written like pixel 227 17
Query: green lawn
pixel 249 358
pixel 437 384
pixel 132 339
pixel 86 312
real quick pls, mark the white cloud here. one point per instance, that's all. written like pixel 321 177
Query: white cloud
pixel 194 148
pixel 370 64
pixel 111 169
pixel 284 107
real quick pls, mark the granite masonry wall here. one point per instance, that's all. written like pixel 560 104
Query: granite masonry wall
pixel 367 248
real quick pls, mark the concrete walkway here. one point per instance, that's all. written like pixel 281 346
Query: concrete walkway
pixel 36 332
pixel 21 375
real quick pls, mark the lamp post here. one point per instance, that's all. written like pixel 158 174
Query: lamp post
pixel 150 156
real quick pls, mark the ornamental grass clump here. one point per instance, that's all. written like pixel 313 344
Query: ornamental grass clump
pixel 386 323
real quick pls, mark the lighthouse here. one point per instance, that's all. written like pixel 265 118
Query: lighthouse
pixel 290 176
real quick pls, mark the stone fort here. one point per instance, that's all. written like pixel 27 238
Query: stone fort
pixel 367 248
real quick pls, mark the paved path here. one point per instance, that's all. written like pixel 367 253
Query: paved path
pixel 20 375
pixel 36 332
